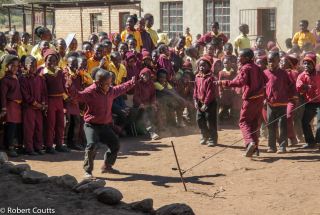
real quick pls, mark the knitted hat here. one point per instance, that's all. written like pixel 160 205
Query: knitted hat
pixel 49 52
pixel 207 59
pixel 145 70
pixel 145 54
pixel 292 59
pixel 130 55
pixel 187 65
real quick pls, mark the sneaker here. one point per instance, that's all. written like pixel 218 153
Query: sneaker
pixel 211 143
pixel 308 146
pixel 251 147
pixel 32 153
pixel 271 150
pixel 292 142
pixel 154 136
pixel 12 153
pixel 108 169
pixel 62 148
pixel 203 141
pixel 88 175
pixel 281 150
pixel 50 150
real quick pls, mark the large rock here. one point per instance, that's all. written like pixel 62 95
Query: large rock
pixel 33 177
pixel 3 157
pixel 175 209
pixel 145 206
pixel 109 195
pixel 5 167
pixel 66 181
pixel 19 168
pixel 89 186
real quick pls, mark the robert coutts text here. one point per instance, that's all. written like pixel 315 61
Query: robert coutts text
pixel 34 210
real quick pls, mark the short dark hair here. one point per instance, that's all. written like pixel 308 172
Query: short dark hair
pixel 247 53
pixel 148 16
pixel 228 46
pixel 274 54
pixel 161 48
pixel 161 71
pixel 304 21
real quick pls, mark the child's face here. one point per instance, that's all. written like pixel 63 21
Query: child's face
pixel 210 50
pixel 130 23
pixel 149 22
pixel 132 62
pixel 262 63
pixel 13 67
pixel 82 64
pixel 73 45
pixel 109 48
pixel 25 39
pixel 273 62
pixel 242 59
pixel 162 78
pixel 99 53
pixel 245 29
pixel 73 64
pixel 260 43
pixel 303 26
pixel 204 67
pixel 154 56
pixel 61 47
pixel 228 50
pixel 215 29
pixel 117 40
pixel 51 62
pixel 141 24
pixel 145 77
pixel 3 41
pixel 227 64
pixel 308 66
pixel 47 36
pixel 166 51
pixel 87 48
pixel 44 45
pixel 31 67
pixel 284 63
pixel 147 61
pixel 186 78
pixel 116 60
pixel 105 84
pixel 93 39
pixel 181 43
pixel 15 38
pixel 132 44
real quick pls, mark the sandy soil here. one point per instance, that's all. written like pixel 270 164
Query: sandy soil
pixel 228 183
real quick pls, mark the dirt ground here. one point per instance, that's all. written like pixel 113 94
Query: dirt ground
pixel 228 183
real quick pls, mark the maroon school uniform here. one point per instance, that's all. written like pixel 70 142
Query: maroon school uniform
pixel 165 63
pixel 144 93
pixel 205 89
pixel 11 98
pixel 33 90
pixel 312 94
pixel 55 116
pixel 227 94
pixel 98 103
pixel 278 87
pixel 72 105
pixel 252 81
pixel 207 38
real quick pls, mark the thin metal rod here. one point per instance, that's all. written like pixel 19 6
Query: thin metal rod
pixel 181 176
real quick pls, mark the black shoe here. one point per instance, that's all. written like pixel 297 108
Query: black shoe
pixel 251 147
pixel 257 152
pixel 308 146
pixel 40 152
pixel 62 148
pixel 32 153
pixel 76 147
pixel 50 150
pixel 12 153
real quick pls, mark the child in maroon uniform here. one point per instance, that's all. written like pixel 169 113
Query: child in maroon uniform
pixel 72 128
pixel 164 62
pixel 308 84
pixel 252 81
pixel 288 63
pixel 34 98
pixel 11 103
pixel 144 99
pixel 55 83
pixel 228 52
pixel 279 87
pixel 98 118
pixel 205 102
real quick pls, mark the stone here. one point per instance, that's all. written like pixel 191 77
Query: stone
pixel 3 157
pixel 5 167
pixel 19 168
pixel 90 186
pixel 109 195
pixel 34 177
pixel 67 181
pixel 53 179
pixel 145 206
pixel 175 209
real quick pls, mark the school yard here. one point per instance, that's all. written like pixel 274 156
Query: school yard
pixel 228 183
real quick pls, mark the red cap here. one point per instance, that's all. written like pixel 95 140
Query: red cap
pixel 311 58
pixel 207 58
pixel 49 52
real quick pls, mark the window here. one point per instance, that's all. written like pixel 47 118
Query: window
pixel 123 16
pixel 95 22
pixel 218 11
pixel 171 18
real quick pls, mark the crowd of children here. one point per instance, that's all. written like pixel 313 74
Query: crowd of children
pixel 56 97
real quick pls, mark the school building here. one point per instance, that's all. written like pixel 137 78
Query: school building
pixel 274 19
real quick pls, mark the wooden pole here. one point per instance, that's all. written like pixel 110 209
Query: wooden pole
pixel 109 14
pixel 45 16
pixel 139 9
pixel 9 18
pixel 180 172
pixel 81 25
pixel 24 20
pixel 32 23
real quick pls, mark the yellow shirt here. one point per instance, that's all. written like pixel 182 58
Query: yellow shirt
pixel 163 38
pixel 188 40
pixel 302 38
pixel 153 35
pixel 120 73
pixel 24 49
pixel 136 35
pixel 160 87
pixel 92 63
pixel 62 63
pixel 36 52
pixel 2 69
pixel 242 42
